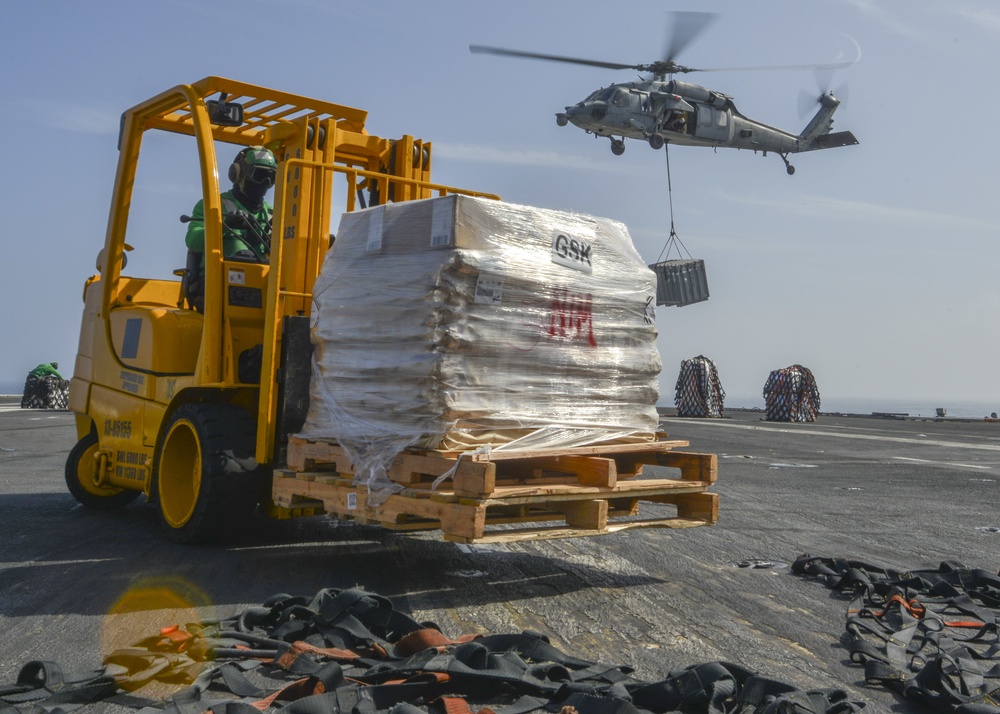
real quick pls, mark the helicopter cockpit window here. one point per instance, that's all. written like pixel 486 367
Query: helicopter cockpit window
pixel 605 94
pixel 620 99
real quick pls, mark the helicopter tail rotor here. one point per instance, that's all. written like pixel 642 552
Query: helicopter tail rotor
pixel 824 80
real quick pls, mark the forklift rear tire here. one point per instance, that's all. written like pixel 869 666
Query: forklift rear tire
pixel 207 480
pixel 81 478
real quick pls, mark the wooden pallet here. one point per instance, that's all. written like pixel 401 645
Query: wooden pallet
pixel 553 493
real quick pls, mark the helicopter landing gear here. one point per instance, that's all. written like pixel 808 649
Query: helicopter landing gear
pixel 656 141
pixel 617 147
pixel 788 167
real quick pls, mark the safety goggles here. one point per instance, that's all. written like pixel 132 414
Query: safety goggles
pixel 261 175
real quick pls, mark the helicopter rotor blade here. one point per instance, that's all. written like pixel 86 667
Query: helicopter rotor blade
pixel 686 27
pixel 841 93
pixel 824 70
pixel 483 49
pixel 807 103
pixel 824 80
pixel 825 66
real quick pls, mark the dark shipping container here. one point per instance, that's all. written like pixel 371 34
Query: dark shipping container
pixel 680 282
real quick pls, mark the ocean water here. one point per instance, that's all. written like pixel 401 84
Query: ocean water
pixel 956 408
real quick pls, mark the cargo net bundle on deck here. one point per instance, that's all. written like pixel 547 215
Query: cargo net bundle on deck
pixel 470 325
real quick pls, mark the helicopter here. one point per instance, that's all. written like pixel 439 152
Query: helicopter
pixel 660 109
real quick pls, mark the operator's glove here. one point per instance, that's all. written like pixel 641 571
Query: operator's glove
pixel 237 219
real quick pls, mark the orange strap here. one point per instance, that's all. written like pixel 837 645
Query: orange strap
pixel 918 610
pixel 299 648
pixel 457 705
pixel 420 640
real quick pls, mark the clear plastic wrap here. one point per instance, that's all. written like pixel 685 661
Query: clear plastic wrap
pixel 461 324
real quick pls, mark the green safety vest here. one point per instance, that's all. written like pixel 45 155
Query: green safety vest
pixel 233 240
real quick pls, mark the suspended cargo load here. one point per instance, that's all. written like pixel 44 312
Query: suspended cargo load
pixel 680 282
pixel 699 392
pixel 791 394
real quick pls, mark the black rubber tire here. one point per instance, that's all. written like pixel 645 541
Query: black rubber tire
pixel 617 147
pixel 80 468
pixel 208 483
pixel 656 142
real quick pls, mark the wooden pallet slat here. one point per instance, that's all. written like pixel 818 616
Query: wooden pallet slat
pixel 589 470
pixel 500 454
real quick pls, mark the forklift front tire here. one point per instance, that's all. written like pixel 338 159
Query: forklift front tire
pixel 207 481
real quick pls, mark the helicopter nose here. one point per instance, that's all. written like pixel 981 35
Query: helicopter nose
pixel 586 111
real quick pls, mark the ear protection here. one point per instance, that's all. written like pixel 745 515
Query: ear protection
pixel 238 166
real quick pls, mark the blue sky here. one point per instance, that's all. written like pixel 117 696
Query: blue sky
pixel 875 265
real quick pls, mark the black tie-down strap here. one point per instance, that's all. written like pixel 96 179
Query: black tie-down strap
pixel 351 652
pixel 932 635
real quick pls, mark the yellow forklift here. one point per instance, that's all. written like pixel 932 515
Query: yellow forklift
pixel 193 408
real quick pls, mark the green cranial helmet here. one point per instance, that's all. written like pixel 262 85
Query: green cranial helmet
pixel 253 170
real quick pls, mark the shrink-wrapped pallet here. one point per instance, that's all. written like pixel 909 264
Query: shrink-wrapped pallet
pixel 460 323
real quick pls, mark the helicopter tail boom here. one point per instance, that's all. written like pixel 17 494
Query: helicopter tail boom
pixel 817 134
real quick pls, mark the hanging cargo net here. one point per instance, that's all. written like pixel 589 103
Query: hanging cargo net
pixel 681 281
pixel 699 392
pixel 48 392
pixel 791 394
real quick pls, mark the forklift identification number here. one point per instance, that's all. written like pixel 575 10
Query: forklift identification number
pixel 118 428
pixel 237 277
pixel 574 253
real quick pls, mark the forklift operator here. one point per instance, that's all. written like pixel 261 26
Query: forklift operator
pixel 246 218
